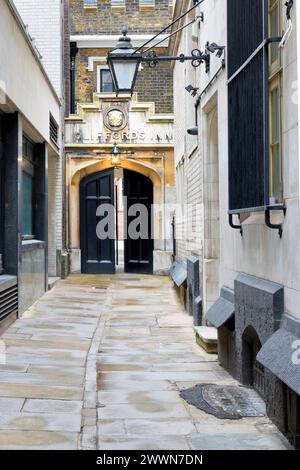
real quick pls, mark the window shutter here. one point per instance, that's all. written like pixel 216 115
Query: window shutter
pixel 248 112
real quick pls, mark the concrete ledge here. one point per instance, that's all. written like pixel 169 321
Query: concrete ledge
pixel 30 245
pixel 207 338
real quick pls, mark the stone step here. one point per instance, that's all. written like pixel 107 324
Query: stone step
pixel 52 281
pixel 207 338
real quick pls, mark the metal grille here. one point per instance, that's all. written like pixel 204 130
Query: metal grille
pixel 248 103
pixel 259 378
pixel 246 137
pixel 293 417
pixel 9 301
pixel 53 131
pixel 245 31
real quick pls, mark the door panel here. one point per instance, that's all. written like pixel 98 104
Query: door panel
pixel 97 255
pixel 138 189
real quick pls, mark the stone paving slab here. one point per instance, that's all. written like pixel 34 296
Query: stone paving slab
pixel 156 409
pixel 99 362
pixel 139 396
pixel 41 379
pixel 49 361
pixel 12 404
pixel 161 427
pixel 140 443
pixel 142 370
pixel 39 391
pixel 38 440
pixel 52 406
pixel 52 421
pixel 134 385
pixel 238 441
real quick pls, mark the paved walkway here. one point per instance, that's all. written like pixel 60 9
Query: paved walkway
pixel 99 362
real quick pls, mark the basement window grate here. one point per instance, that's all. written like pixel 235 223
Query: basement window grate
pixel 8 301
pixel 53 131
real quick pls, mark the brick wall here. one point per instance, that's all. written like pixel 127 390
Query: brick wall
pixel 153 84
pixel 156 84
pixel 107 21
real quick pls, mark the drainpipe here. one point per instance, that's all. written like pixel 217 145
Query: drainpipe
pixel 73 53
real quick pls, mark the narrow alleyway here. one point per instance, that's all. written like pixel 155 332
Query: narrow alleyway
pixel 99 361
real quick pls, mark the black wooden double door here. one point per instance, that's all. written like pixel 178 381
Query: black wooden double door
pixel 98 223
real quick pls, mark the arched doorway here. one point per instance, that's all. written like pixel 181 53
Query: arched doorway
pixel 253 373
pixel 102 229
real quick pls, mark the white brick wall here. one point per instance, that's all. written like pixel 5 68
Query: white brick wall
pixel 44 22
pixel 54 213
pixel 188 158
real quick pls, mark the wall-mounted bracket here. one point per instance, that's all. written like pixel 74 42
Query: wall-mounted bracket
pixel 268 222
pixel 235 226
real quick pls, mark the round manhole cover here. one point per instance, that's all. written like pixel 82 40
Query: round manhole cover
pixel 225 402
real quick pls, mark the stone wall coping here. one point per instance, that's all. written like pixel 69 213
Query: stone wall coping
pixel 258 283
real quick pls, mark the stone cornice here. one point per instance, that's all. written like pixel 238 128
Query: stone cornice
pixel 109 41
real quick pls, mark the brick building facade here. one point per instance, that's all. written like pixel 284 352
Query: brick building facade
pixel 90 29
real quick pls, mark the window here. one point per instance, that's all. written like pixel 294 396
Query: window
pixel 28 170
pixel 147 4
pixel 276 184
pixel 105 83
pixel 118 5
pixel 90 4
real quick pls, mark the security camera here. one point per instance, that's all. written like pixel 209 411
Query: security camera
pixel 193 131
pixel 213 47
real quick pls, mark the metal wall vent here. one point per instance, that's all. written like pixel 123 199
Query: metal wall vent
pixel 53 131
pixel 8 299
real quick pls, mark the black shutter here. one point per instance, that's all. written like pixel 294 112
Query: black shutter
pixel 248 111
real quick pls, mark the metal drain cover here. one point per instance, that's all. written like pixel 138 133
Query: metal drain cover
pixel 225 402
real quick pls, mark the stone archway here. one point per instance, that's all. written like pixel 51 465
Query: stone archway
pixel 82 169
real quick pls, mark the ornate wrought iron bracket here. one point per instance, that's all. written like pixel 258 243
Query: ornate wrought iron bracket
pixel 196 58
pixel 235 226
pixel 268 222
